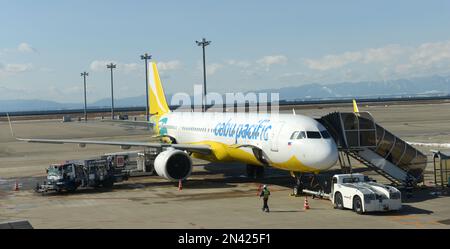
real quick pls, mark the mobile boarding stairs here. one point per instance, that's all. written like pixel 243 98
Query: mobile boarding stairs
pixel 358 136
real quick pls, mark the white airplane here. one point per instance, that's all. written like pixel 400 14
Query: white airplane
pixel 290 142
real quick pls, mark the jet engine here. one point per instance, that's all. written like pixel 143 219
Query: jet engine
pixel 173 164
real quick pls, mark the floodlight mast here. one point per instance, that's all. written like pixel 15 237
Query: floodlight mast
pixel 84 74
pixel 112 66
pixel 203 44
pixel 146 57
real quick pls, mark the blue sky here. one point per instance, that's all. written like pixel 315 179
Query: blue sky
pixel 45 45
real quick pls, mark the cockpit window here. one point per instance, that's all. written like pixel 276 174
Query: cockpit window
pixel 294 135
pixel 313 134
pixel 325 134
pixel 301 135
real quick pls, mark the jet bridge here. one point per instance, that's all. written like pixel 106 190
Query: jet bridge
pixel 358 136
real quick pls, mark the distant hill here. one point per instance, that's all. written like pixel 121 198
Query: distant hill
pixel 124 102
pixel 35 105
pixel 435 85
pixel 425 86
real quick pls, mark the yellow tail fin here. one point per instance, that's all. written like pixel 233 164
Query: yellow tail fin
pixel 157 99
pixel 355 106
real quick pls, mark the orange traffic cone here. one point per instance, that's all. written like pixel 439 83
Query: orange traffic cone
pixel 180 185
pixel 306 205
pixel 16 186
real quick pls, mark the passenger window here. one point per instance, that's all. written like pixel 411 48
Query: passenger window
pixel 325 134
pixel 294 135
pixel 301 135
pixel 313 134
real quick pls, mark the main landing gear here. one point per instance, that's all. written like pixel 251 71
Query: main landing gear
pixel 255 172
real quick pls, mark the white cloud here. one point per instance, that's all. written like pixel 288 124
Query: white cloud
pixel 426 59
pixel 7 69
pixel 391 61
pixel 169 65
pixel 302 77
pixel 269 60
pixel 385 54
pixel 100 66
pixel 242 64
pixel 213 68
pixel 18 68
pixel 333 61
pixel 22 48
pixel 131 67
pixel 256 67
pixel 431 53
pixel 13 69
pixel 403 68
pixel 25 48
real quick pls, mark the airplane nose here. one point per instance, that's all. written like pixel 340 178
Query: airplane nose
pixel 329 156
pixel 324 156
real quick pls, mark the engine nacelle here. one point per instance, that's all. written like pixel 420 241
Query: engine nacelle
pixel 173 164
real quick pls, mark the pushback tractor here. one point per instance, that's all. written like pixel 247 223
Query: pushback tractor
pixel 357 192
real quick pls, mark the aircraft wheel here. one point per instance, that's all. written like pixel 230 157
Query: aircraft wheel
pixel 297 190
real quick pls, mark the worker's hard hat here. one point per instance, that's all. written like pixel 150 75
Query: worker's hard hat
pixel 265 186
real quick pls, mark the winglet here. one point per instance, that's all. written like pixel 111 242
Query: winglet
pixel 10 126
pixel 355 106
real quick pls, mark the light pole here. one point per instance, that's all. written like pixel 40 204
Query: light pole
pixel 203 44
pixel 112 66
pixel 146 57
pixel 84 74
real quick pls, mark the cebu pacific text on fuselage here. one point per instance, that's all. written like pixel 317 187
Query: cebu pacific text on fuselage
pixel 253 131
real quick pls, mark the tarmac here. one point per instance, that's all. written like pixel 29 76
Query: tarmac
pixel 216 195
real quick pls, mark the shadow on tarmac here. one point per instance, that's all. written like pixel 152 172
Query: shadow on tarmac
pixel 228 176
pixel 285 211
pixel 406 210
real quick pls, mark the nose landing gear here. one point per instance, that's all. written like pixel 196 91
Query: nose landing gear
pixel 298 187
pixel 315 182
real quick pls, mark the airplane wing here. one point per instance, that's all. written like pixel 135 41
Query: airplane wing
pixel 130 122
pixel 203 149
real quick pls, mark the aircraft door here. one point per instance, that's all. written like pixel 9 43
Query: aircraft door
pixel 274 139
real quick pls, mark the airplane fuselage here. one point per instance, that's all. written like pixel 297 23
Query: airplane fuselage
pixel 291 142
